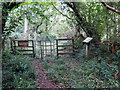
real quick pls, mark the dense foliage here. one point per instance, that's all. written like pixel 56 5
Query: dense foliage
pixel 50 20
pixel 17 71
pixel 65 19
pixel 93 19
pixel 78 72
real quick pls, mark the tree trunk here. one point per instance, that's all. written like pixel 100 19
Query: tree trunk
pixel 26 29
pixel 109 7
pixel 6 6
pixel 0 48
pixel 86 26
pixel 0 36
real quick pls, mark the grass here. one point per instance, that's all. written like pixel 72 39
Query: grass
pixel 81 73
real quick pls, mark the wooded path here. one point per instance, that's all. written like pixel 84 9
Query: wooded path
pixel 41 77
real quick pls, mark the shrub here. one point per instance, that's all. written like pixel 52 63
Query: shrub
pixel 17 72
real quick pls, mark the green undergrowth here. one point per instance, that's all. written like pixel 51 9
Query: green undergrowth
pixel 17 71
pixel 79 72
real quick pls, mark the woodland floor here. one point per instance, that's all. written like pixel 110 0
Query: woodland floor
pixel 41 77
pixel 70 72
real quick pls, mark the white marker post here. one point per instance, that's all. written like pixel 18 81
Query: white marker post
pixel 87 42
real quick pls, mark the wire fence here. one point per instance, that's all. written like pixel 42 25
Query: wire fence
pixel 45 48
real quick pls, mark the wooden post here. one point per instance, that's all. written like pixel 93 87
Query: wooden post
pixel 87 50
pixel 113 48
pixel 54 46
pixel 51 47
pixel 41 50
pixel 57 46
pixel 11 42
pixel 87 42
pixel 14 45
pixel 11 45
pixel 41 53
pixel 33 48
pixel 73 44
pixel 45 48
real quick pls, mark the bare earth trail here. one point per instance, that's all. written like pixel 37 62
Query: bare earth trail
pixel 42 79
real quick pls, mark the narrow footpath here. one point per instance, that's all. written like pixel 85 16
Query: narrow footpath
pixel 41 77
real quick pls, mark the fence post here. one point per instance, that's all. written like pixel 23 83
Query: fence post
pixel 57 46
pixel 51 47
pixel 45 48
pixel 41 49
pixel 33 48
pixel 11 45
pixel 73 44
pixel 14 45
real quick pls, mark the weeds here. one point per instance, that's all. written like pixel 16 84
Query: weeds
pixel 80 73
pixel 17 71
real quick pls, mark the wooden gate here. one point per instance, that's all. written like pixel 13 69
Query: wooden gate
pixel 45 47
pixel 63 49
pixel 48 48
pixel 25 47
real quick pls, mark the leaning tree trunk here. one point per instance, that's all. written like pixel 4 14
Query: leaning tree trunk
pixel 82 23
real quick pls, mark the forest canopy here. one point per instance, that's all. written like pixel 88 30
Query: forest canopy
pixel 44 24
pixel 85 18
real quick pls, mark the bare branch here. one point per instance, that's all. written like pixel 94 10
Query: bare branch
pixel 39 25
pixel 109 7
pixel 61 12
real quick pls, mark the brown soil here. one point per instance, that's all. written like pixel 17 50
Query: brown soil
pixel 41 77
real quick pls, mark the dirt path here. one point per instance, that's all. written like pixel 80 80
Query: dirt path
pixel 42 79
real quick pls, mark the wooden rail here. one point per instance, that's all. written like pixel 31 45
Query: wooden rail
pixel 111 46
pixel 23 40
pixel 24 50
pixel 65 49
pixel 65 45
pixel 65 39
pixel 47 48
pixel 71 46
pixel 23 47
pixel 65 53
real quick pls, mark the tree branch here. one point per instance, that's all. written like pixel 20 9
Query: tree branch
pixel 109 7
pixel 39 25
pixel 61 12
